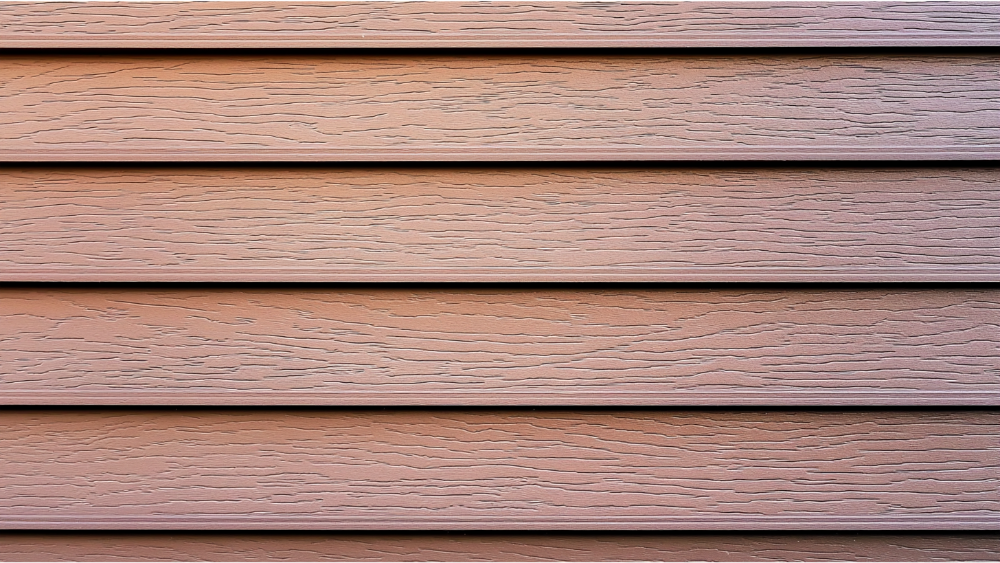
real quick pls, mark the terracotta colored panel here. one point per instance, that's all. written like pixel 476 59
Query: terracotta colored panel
pixel 350 224
pixel 593 346
pixel 527 106
pixel 471 546
pixel 499 24
pixel 521 470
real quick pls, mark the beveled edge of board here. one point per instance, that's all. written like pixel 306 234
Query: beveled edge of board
pixel 601 274
pixel 511 154
pixel 11 520
pixel 557 397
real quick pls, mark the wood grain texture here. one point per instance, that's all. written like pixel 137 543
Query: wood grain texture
pixel 498 24
pixel 472 546
pixel 521 470
pixel 482 225
pixel 523 107
pixel 370 346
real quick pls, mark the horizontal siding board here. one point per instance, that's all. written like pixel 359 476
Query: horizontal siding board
pixel 500 470
pixel 499 24
pixel 526 224
pixel 491 107
pixel 471 546
pixel 370 346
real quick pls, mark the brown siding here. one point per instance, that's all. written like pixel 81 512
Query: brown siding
pixel 529 106
pixel 350 143
pixel 500 24
pixel 519 224
pixel 500 470
pixel 475 346
pixel 473 546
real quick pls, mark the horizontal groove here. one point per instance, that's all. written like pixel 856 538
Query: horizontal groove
pixel 162 274
pixel 500 167
pixel 943 154
pixel 208 545
pixel 470 53
pixel 608 42
pixel 554 398
pixel 623 40
pixel 11 520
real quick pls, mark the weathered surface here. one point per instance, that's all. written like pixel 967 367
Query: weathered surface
pixel 498 24
pixel 532 224
pixel 500 470
pixel 492 107
pixel 472 546
pixel 420 346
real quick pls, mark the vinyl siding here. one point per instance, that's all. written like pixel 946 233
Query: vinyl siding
pixel 509 281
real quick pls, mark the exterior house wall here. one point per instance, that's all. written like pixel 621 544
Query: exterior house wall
pixel 499 281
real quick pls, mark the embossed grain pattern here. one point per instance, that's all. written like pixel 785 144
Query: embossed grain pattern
pixel 498 24
pixel 522 470
pixel 471 546
pixel 531 224
pixel 527 106
pixel 475 346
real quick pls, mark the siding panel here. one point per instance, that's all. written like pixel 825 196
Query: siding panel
pixel 404 107
pixel 472 546
pixel 630 142
pixel 498 24
pixel 500 470
pixel 525 224
pixel 465 346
